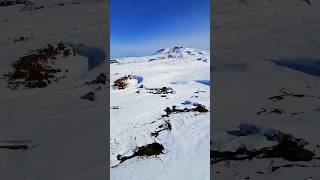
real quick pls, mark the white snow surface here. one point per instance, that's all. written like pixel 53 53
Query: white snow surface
pixel 186 146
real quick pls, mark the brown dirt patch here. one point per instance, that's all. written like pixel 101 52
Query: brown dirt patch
pixel 147 150
pixel 121 83
pixel 35 70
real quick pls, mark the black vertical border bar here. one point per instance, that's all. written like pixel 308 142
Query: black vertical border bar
pixel 108 93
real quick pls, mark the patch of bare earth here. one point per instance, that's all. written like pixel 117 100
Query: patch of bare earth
pixel 122 83
pixel 152 149
pixel 37 70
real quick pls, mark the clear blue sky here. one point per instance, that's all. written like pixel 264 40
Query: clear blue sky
pixel 141 27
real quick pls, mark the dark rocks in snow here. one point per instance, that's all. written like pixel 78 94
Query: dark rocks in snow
pixel 151 60
pixel 15 147
pixel 271 111
pixel 262 111
pixel 66 52
pixel 289 152
pixel 198 108
pixel 115 107
pixel 101 78
pixel 198 91
pixel 22 39
pixel 276 98
pixel 275 168
pixel 296 113
pixel 14 2
pixel 121 83
pixel 289 147
pixel 163 90
pixel 168 110
pixel 35 70
pixel 91 96
pixel 165 126
pixel 289 94
pixel 276 111
pixel 146 150
pixel 112 61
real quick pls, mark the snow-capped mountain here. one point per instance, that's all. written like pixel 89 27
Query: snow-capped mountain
pixel 170 54
pixel 160 116
pixel 181 52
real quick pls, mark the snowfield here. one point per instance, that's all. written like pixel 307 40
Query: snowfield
pixel 142 114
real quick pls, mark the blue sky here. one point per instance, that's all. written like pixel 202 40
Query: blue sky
pixel 141 27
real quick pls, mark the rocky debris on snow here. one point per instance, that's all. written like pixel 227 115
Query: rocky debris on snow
pixel 152 149
pixel 101 78
pixel 112 61
pixel 32 7
pixel 91 96
pixel 163 90
pixel 276 98
pixel 271 111
pixel 296 113
pixel 115 107
pixel 165 126
pixel 14 2
pixel 289 152
pixel 154 59
pixel 262 111
pixel 35 70
pixel 275 168
pixel 199 91
pixel 121 83
pixel 288 147
pixel 198 108
pixel 285 94
pixel 22 39
pixel 16 145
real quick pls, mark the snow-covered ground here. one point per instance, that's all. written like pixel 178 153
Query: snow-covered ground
pixel 138 116
pixel 265 73
pixel 60 135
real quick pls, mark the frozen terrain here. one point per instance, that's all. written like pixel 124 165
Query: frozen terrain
pixel 160 115
pixel 266 74
pixel 48 128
